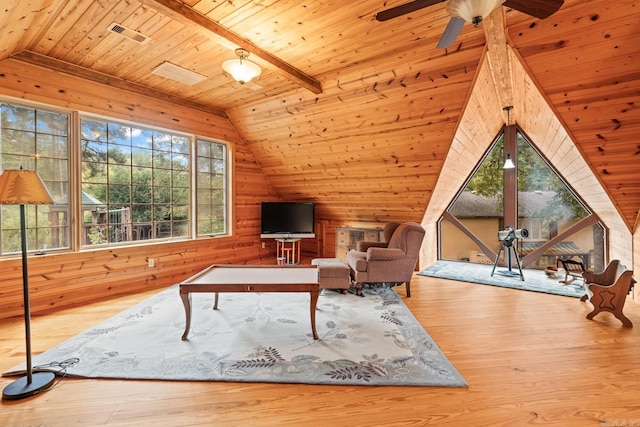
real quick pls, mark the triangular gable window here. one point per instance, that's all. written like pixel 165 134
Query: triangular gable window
pixel 531 196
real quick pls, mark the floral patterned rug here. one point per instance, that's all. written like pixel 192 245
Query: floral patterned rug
pixel 261 337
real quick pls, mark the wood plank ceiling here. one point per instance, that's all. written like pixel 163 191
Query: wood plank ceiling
pixel 352 113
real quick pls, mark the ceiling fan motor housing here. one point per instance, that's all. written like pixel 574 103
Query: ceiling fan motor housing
pixel 473 11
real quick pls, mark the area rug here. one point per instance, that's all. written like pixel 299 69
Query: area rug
pixel 261 337
pixel 534 280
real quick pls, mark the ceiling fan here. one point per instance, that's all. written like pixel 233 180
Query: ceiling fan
pixel 473 11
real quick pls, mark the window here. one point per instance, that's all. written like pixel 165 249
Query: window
pixel 558 222
pixel 135 183
pixel 36 139
pixel 211 185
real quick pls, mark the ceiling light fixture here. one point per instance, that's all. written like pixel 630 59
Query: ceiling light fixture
pixel 473 11
pixel 242 70
pixel 508 163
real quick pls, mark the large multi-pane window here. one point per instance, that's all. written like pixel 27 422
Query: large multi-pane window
pixel 36 139
pixel 135 183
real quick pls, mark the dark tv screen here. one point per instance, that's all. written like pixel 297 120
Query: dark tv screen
pixel 288 219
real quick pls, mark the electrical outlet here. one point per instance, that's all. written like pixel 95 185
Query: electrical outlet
pixel 151 262
pixel 263 245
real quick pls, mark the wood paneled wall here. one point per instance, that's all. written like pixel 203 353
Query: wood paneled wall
pixel 63 279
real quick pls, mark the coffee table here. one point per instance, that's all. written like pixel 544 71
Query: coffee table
pixel 252 278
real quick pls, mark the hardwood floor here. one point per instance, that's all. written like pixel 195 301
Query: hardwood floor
pixel 529 358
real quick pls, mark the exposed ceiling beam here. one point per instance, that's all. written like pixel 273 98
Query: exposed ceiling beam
pixel 179 11
pixel 495 32
pixel 98 77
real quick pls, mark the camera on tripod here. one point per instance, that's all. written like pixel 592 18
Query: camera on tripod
pixel 509 234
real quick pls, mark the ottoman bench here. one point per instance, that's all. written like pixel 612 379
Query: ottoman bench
pixel 333 273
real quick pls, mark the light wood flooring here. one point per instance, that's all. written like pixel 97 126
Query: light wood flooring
pixel 529 358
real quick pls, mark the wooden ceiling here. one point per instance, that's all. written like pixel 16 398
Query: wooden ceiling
pixel 352 113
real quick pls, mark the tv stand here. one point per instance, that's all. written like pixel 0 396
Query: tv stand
pixel 288 251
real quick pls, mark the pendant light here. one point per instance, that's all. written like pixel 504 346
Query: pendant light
pixel 241 69
pixel 508 163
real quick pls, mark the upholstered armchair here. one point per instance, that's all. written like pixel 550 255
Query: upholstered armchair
pixel 387 232
pixel 391 265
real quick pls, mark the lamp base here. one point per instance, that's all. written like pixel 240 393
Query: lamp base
pixel 20 389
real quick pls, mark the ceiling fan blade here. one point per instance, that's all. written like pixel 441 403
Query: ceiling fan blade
pixel 451 32
pixel 403 9
pixel 538 8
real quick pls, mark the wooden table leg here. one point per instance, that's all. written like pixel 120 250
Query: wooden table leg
pixel 215 303
pixel 186 301
pixel 313 304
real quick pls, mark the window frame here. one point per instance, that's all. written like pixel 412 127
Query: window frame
pixel 156 227
pixel 226 198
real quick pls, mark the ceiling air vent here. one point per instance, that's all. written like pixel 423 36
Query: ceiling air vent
pixel 128 33
pixel 177 73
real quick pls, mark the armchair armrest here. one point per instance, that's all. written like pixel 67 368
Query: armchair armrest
pixel 384 254
pixel 363 245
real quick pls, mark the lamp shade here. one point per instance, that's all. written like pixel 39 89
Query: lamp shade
pixel 23 187
pixel 472 10
pixel 508 164
pixel 241 69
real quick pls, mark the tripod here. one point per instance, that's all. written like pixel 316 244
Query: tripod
pixel 507 245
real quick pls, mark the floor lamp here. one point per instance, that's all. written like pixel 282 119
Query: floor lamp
pixel 24 187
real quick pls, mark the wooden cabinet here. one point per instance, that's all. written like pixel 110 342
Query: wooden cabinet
pixel 347 238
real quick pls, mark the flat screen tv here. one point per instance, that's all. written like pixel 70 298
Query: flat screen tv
pixel 281 220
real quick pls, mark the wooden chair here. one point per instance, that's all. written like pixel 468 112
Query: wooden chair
pixel 605 278
pixel 573 270
pixel 608 291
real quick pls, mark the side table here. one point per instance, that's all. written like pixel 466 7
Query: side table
pixel 288 251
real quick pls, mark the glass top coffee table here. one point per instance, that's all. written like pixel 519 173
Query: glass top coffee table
pixel 252 278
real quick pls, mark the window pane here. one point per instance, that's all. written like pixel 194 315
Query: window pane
pixel 118 134
pixel 94 130
pixel 142 157
pixel 142 139
pixel 18 142
pixel 17 117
